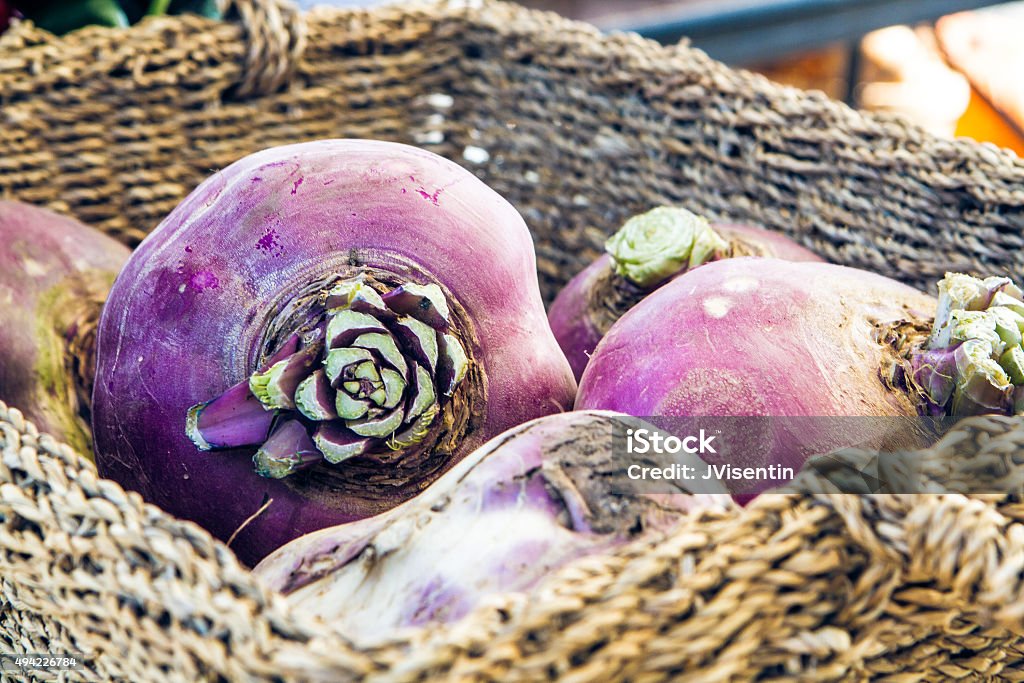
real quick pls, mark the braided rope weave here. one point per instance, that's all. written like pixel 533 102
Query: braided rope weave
pixel 840 587
pixel 275 33
pixel 578 130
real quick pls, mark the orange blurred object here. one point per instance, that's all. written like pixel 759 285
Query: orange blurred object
pixel 985 46
pixel 983 123
pixel 904 73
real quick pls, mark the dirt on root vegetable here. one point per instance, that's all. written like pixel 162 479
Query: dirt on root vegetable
pixel 530 501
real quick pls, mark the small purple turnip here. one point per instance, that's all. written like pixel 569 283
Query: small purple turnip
pixel 528 502
pixel 54 276
pixel 317 333
pixel 649 250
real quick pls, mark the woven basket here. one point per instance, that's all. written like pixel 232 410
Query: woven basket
pixel 578 130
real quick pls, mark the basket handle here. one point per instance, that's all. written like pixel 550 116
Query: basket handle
pixel 275 38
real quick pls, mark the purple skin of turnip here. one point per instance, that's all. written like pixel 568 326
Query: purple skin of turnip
pixel 776 339
pixel 54 276
pixel 328 326
pixel 648 251
pixel 528 502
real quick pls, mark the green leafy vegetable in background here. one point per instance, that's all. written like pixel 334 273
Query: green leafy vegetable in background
pixel 63 16
pixel 60 16
pixel 206 8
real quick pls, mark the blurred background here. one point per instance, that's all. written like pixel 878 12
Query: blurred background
pixel 955 67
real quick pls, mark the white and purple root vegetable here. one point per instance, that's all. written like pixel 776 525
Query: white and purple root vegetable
pixel 816 340
pixel 54 277
pixel 778 339
pixel 649 250
pixel 528 502
pixel 328 326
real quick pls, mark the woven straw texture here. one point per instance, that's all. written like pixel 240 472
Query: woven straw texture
pixel 578 130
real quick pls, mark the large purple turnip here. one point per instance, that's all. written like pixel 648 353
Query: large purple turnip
pixel 526 503
pixel 649 250
pixel 54 276
pixel 317 333
pixel 768 338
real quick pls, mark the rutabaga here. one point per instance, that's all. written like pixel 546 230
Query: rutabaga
pixel 648 251
pixel 317 333
pixel 766 338
pixel 528 502
pixel 54 276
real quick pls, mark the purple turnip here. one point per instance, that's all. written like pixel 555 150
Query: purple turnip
pixel 54 276
pixel 768 338
pixel 649 250
pixel 317 333
pixel 526 503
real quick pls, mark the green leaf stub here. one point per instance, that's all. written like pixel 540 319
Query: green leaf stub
pixel 374 378
pixel 652 247
pixel 979 326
